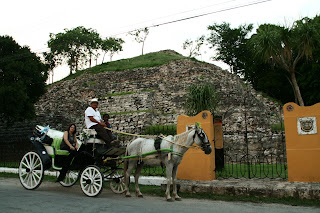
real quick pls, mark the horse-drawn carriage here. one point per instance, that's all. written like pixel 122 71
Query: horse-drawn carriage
pixel 93 165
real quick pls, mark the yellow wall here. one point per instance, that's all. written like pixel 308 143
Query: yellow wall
pixel 195 164
pixel 303 151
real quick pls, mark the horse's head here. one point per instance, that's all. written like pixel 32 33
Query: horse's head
pixel 201 139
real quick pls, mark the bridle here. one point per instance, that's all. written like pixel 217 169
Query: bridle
pixel 204 144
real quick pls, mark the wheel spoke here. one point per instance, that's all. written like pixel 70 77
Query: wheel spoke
pixel 25 180
pixel 36 174
pixel 32 162
pixel 34 179
pixel 86 176
pixel 27 162
pixel 25 165
pixel 37 164
pixel 30 180
pixel 96 189
pixel 96 184
pixel 90 173
pixel 86 186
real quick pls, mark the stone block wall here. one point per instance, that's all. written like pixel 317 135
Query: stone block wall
pixel 141 97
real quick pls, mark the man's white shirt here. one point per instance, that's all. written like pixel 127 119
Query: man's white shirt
pixel 91 112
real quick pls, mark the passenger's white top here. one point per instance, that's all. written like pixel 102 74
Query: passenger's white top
pixel 91 112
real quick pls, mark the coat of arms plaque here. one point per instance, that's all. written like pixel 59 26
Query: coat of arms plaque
pixel 307 126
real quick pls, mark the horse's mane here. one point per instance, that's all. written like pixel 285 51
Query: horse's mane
pixel 182 137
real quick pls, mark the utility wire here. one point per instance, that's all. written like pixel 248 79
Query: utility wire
pixel 206 7
pixel 197 16
pixel 155 25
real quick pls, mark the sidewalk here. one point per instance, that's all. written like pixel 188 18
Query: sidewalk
pixel 252 187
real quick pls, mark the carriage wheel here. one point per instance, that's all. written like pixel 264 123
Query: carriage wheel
pixel 91 181
pixel 117 184
pixel 71 178
pixel 31 170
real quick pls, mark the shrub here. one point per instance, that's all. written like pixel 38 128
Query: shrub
pixel 161 129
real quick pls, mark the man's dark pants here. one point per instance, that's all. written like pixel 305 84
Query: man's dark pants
pixel 103 133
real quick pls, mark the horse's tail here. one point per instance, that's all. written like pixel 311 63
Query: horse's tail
pixel 125 167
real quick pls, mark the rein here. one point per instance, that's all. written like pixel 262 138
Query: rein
pixel 152 136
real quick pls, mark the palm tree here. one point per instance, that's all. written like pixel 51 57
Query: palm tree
pixel 286 47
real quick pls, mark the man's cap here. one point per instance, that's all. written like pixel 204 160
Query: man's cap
pixel 94 100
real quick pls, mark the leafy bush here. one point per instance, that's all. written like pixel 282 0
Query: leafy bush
pixel 201 97
pixel 161 129
pixel 277 127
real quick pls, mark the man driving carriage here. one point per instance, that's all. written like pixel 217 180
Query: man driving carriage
pixel 93 121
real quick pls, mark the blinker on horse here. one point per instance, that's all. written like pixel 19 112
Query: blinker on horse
pixel 178 144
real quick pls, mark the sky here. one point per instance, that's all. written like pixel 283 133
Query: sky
pixel 31 22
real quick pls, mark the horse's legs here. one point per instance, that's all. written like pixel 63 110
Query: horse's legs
pixel 131 165
pixel 136 179
pixel 174 183
pixel 169 168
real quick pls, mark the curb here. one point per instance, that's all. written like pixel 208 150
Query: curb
pixel 143 180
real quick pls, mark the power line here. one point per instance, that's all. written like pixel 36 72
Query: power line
pixel 157 25
pixel 180 13
pixel 197 16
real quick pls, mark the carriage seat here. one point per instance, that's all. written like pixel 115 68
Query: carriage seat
pixel 56 145
pixel 90 132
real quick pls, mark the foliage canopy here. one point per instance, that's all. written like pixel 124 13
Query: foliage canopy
pixel 280 61
pixel 22 80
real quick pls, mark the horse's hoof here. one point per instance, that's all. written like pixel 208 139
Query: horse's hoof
pixel 128 195
pixel 140 196
pixel 178 199
pixel 170 200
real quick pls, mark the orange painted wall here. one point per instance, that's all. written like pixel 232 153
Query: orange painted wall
pixel 195 164
pixel 303 151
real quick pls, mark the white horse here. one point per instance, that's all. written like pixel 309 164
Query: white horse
pixel 180 144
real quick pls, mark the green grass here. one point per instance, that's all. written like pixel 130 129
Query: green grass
pixel 126 93
pixel 124 113
pixel 9 164
pixel 230 170
pixel 256 171
pixel 156 191
pixel 161 129
pixel 143 61
pixel 277 127
pixel 118 94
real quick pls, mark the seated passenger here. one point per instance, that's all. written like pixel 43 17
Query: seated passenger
pixel 106 118
pixel 69 143
pixel 93 121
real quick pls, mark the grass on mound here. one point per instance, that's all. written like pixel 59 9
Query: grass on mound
pixel 143 61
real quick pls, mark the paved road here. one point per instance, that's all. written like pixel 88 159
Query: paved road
pixel 51 197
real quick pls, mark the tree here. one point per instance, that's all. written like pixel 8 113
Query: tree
pixel 230 44
pixel 22 80
pixel 111 45
pixel 286 47
pixel 74 46
pixel 201 97
pixel 194 46
pixel 51 62
pixel 140 36
pixel 92 43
